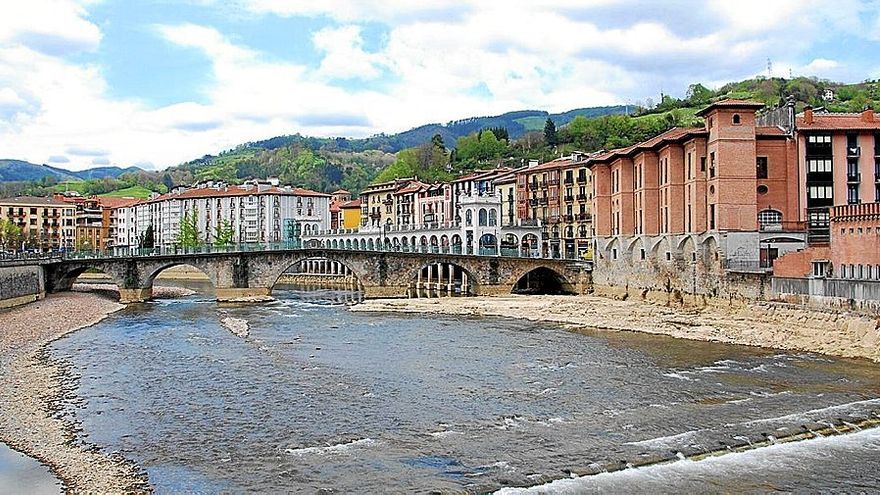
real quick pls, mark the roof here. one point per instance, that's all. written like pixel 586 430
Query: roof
pixel 731 103
pixel 33 200
pixel 228 191
pixel 558 162
pixel 410 188
pixel 770 131
pixel 340 191
pixel 118 202
pixel 674 135
pixel 355 203
pixel 837 121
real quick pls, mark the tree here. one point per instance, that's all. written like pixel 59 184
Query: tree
pixel 168 181
pixel 698 95
pixel 224 234
pixel 10 235
pixel 438 143
pixel 189 235
pixel 550 132
pixel 148 238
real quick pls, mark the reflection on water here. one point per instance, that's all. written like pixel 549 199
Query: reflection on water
pixel 318 397
pixel 24 475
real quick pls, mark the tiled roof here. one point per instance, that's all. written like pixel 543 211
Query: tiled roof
pixel 228 191
pixel 834 121
pixel 118 202
pixel 770 131
pixel 340 191
pixel 731 103
pixel 355 203
pixel 33 200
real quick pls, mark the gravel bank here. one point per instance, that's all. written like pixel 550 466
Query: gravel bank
pixel 32 386
pixel 758 324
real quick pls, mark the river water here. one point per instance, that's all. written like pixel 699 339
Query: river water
pixel 318 398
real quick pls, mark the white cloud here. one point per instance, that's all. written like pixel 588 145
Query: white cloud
pixel 48 26
pixel 345 57
pixel 434 63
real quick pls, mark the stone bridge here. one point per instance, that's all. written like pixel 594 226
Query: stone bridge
pixel 243 275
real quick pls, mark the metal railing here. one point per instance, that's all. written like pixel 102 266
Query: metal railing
pixel 386 247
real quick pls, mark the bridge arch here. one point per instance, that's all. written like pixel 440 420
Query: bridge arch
pixel 64 280
pixel 442 280
pixel 325 271
pixel 210 275
pixel 542 280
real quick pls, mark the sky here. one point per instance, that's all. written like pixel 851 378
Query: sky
pixel 154 83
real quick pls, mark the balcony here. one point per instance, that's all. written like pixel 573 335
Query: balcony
pixel 388 202
pixel 853 151
pixel 581 197
pixel 569 198
pixel 542 201
pixel 853 177
pixel 568 218
pixel 569 180
pixel 582 178
pixel 584 217
pixel 553 182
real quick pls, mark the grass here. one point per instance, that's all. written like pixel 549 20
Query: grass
pixel 139 192
pixel 532 123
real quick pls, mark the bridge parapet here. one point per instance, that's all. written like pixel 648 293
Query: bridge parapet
pixel 252 275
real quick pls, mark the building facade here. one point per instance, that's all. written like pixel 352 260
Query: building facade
pixel 257 212
pixel 46 224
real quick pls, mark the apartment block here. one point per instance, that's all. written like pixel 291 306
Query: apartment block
pixel 46 223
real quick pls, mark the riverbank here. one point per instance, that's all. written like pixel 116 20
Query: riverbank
pixel 33 385
pixel 770 325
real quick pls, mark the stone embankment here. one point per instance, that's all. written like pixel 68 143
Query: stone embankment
pixel 773 325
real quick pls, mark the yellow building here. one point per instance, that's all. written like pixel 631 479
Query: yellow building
pixel 378 203
pixel 45 223
pixel 351 214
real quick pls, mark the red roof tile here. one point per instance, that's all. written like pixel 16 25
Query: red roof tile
pixel 834 121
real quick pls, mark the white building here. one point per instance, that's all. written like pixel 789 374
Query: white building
pixel 257 211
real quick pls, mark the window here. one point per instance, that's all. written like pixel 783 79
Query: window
pixel 711 217
pixel 852 194
pixel 819 165
pixel 736 119
pixel 761 171
pixel 762 189
pixel 712 164
pixel 819 139
pixel 820 192
pixel 770 220
pixel 702 164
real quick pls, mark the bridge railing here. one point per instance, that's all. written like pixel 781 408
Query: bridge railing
pixel 126 252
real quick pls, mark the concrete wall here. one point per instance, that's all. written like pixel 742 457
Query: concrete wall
pixel 852 295
pixel 679 269
pixel 21 285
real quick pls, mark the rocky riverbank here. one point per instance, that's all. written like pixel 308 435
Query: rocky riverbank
pixel 33 386
pixel 771 325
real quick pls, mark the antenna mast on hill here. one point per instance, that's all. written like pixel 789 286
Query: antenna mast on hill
pixel 769 68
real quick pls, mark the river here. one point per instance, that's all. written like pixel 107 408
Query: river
pixel 317 398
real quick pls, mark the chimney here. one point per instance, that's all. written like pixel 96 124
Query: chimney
pixel 808 114
pixel 868 115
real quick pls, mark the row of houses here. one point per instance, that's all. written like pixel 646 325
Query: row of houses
pixel 747 192
pixel 538 210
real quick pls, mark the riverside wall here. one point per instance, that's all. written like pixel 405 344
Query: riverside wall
pixel 21 285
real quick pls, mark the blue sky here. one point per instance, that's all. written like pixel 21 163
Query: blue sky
pixel 155 83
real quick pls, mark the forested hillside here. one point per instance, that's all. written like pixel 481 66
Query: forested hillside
pixel 439 151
